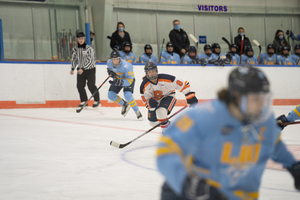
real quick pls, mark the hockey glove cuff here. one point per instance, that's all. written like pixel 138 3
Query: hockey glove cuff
pixel 282 119
pixel 116 82
pixel 295 171
pixel 195 188
pixel 152 102
pixel 191 98
pixel 111 73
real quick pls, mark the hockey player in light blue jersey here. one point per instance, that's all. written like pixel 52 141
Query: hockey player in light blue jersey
pixel 216 50
pixel 292 116
pixel 249 57
pixel 170 57
pixel 235 58
pixel 147 56
pixel 191 56
pixel 123 78
pixel 269 57
pixel 284 58
pixel 126 54
pixel 296 55
pixel 207 55
pixel 219 149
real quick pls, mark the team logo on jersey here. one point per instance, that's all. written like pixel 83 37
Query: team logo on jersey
pixel 162 84
pixel 226 130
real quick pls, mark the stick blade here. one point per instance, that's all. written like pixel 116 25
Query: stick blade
pixel 193 38
pixel 256 42
pixel 117 145
pixel 74 110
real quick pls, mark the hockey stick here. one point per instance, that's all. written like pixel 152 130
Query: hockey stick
pixel 257 44
pixel 289 123
pixel 87 102
pixel 120 146
pixel 227 42
pixel 195 40
pixel 161 50
pixel 242 46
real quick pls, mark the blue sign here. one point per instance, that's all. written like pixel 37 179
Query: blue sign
pixel 202 39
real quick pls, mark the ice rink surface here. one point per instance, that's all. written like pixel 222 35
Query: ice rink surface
pixel 48 154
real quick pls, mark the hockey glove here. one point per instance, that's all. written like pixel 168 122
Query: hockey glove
pixel 202 62
pixel 152 102
pixel 212 61
pixel 295 171
pixel 289 33
pixel 195 188
pixel 228 56
pixel 191 98
pixel 282 119
pixel 116 82
pixel 220 62
pixel 111 73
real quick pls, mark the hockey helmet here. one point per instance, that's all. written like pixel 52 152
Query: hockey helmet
pixel 207 46
pixel 151 66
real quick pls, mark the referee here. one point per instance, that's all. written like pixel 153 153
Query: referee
pixel 83 57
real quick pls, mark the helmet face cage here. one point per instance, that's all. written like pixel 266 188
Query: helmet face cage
pixel 215 46
pixel 148 67
pixel 126 44
pixel 115 54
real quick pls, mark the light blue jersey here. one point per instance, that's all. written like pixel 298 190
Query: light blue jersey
pixel 215 55
pixel 231 156
pixel 294 114
pixel 249 60
pixel 144 58
pixel 206 57
pixel 235 60
pixel 188 60
pixel 265 59
pixel 167 58
pixel 296 37
pixel 124 71
pixel 295 58
pixel 285 60
pixel 129 58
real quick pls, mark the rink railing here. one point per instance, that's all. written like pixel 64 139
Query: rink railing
pixel 50 85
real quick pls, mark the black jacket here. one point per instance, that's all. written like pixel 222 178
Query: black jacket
pixel 180 41
pixel 116 39
pixel 238 41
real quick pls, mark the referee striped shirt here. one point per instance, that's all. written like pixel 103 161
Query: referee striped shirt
pixel 84 57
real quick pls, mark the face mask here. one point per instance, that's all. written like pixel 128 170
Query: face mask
pixel 208 54
pixel 280 37
pixel 177 27
pixel 271 53
pixel 298 54
pixel 121 29
pixel 127 52
pixel 233 52
pixel 148 54
pixel 241 34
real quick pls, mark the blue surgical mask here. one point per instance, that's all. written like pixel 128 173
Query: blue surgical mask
pixel 177 27
pixel 280 37
pixel 241 34
pixel 121 29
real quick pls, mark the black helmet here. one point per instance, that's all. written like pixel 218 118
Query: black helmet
pixel 285 48
pixel 207 46
pixel 80 34
pixel 169 44
pixel 147 46
pixel 126 44
pixel 245 79
pixel 233 45
pixel 270 46
pixel 215 45
pixel 192 49
pixel 151 66
pixel 297 46
pixel 115 54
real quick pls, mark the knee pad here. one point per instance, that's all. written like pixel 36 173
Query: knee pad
pixel 161 113
pixel 128 96
pixel 112 95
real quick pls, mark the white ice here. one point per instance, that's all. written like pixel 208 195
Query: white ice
pixel 48 154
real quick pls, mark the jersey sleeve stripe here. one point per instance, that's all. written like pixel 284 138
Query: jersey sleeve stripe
pixel 296 111
pixel 190 96
pixel 145 86
pixel 186 85
pixel 171 104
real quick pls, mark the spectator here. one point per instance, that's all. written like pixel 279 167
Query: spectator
pixel 249 57
pixel 179 38
pixel 147 56
pixel 284 58
pixel 296 55
pixel 269 57
pixel 238 40
pixel 92 34
pixel 170 57
pixel 126 53
pixel 279 41
pixel 119 37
